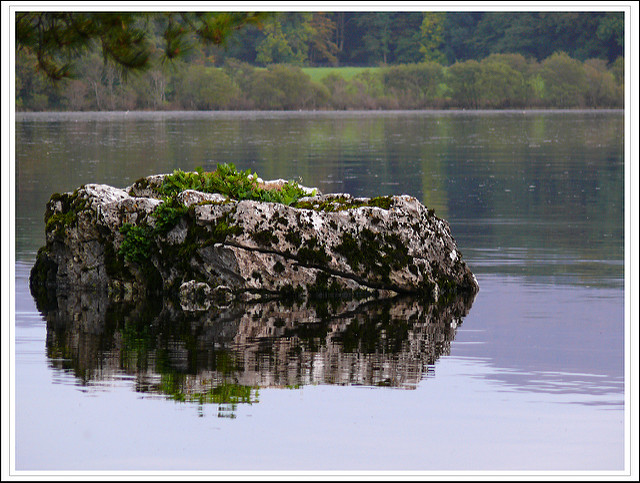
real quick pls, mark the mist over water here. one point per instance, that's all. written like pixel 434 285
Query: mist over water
pixel 528 376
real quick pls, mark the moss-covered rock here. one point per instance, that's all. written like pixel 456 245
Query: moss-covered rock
pixel 147 239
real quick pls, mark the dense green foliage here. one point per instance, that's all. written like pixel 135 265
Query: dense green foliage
pixel 496 82
pixel 413 59
pixel 582 35
pixel 136 244
pixel 168 214
pixel 227 180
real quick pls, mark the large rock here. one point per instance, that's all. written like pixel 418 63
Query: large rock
pixel 206 249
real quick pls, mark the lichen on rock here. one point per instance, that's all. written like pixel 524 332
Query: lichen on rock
pixel 160 236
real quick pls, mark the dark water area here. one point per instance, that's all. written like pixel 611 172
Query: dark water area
pixel 527 376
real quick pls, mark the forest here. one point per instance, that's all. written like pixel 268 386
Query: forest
pixel 355 60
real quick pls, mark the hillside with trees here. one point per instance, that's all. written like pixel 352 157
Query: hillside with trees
pixel 413 60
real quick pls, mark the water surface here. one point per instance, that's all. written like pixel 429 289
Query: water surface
pixel 530 377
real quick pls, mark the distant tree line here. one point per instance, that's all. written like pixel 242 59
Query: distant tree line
pixel 422 60
pixel 499 81
pixel 373 38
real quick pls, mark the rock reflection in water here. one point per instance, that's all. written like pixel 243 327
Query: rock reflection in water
pixel 225 355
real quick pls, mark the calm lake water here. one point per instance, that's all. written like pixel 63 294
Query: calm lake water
pixel 531 378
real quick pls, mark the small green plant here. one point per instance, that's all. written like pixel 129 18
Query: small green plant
pixel 227 180
pixel 168 213
pixel 136 243
pixel 223 228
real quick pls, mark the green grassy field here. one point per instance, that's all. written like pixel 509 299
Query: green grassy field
pixel 318 73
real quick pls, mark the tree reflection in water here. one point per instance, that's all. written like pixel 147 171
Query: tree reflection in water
pixel 225 355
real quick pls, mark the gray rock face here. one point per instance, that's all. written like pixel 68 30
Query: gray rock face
pixel 206 249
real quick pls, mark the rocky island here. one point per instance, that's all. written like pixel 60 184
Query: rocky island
pixel 216 238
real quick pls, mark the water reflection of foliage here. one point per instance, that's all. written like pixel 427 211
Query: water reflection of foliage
pixel 225 355
pixel 175 386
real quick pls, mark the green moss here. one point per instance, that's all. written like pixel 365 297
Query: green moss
pixel 55 197
pixel 264 238
pixel 383 202
pixel 312 253
pixel 221 229
pixel 293 237
pixel 350 249
pixel 141 184
pixel 373 254
pixel 448 289
pixel 71 206
pixel 213 202
pixel 60 220
pixel 280 220
pixel 341 203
